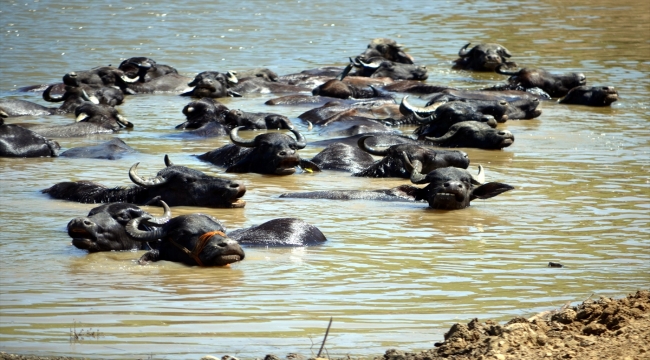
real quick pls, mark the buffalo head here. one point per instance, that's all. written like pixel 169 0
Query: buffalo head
pixel 483 57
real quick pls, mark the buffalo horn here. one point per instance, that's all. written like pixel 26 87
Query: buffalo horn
pixel 443 138
pixel 142 182
pixel 168 162
pixel 414 169
pixel 480 178
pixel 345 72
pixel 362 145
pixel 300 140
pixel 48 97
pixel 127 79
pixel 234 137
pixel 141 235
pixel 164 218
pixel 123 121
pixel 231 77
pixel 81 117
pixel 406 109
pixel 93 99
pixel 500 70
pixel 463 51
pixel 371 65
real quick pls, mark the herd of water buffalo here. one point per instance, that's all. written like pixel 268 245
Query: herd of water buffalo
pixel 354 105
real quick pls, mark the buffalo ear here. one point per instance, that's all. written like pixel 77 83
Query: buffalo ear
pixel 489 190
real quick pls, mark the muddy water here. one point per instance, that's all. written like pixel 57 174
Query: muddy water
pixel 391 274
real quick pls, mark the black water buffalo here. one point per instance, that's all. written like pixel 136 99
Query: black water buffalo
pixel 279 232
pixel 212 84
pixel 17 141
pixel 521 105
pixel 382 68
pixel 440 117
pixel 145 68
pixel 591 96
pixel 176 185
pixel 91 119
pixel 264 73
pixel 268 153
pixel 471 134
pixel 556 85
pixel 259 85
pixel 110 150
pixel 205 117
pixel 104 229
pixel 392 164
pixel 483 57
pixel 388 49
pixel 452 188
pixel 448 189
pixel 75 92
pixel 256 120
pixel 194 239
pixel 343 90
pixel 354 125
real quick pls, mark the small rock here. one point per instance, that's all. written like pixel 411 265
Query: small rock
pixel 594 329
pixel 565 317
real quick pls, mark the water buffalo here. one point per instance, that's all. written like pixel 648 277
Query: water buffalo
pixel 256 120
pixel 388 49
pixel 336 110
pixel 452 188
pixel 268 153
pixel 76 92
pixel 176 185
pixel 392 165
pixel 556 85
pixel 194 239
pixel 259 85
pixel 521 105
pixel 440 117
pixel 381 68
pixel 279 232
pixel 17 141
pixel 205 117
pixel 354 125
pixel 471 134
pixel 483 57
pixel 343 90
pixel 591 96
pixel 264 73
pixel 448 188
pixel 212 84
pixel 145 68
pixel 104 228
pixel 91 119
pixel 110 150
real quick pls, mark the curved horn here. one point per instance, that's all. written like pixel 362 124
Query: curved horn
pixel 231 77
pixel 141 235
pixel 165 216
pixel 444 137
pixel 48 97
pixel 127 79
pixel 500 70
pixel 414 169
pixel 142 182
pixel 345 72
pixel 81 117
pixel 362 145
pixel 168 162
pixel 310 126
pixel 301 142
pixel 463 51
pixel 406 109
pixel 123 121
pixel 93 99
pixel 234 137
pixel 372 65
pixel 480 177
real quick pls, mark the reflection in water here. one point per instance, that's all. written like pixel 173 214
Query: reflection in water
pixel 391 274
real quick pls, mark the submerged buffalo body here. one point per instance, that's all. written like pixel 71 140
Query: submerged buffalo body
pixel 91 119
pixel 279 232
pixel 176 185
pixel 556 85
pixel 212 84
pixel 483 57
pixel 110 150
pixel 17 141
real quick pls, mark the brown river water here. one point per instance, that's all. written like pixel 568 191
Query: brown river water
pixel 390 274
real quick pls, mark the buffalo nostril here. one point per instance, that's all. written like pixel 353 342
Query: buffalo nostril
pixel 447 184
pixel 87 223
pixel 235 185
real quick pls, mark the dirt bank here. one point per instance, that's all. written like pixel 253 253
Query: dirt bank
pixel 604 329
